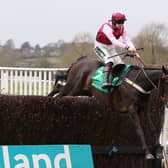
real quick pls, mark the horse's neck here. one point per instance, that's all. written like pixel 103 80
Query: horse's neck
pixel 147 78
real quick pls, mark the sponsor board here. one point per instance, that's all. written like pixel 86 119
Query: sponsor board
pixel 46 156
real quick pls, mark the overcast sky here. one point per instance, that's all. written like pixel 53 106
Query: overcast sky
pixel 45 21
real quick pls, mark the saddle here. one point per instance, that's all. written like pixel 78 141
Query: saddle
pixel 117 76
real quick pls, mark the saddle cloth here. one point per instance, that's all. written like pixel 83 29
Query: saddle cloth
pixel 98 76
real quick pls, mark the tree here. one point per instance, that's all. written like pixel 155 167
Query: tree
pixel 81 45
pixel 26 45
pixel 9 44
pixel 26 49
pixel 153 38
pixel 37 50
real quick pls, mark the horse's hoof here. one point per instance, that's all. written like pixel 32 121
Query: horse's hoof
pixel 149 156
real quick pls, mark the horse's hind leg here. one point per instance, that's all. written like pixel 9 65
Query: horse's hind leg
pixel 136 121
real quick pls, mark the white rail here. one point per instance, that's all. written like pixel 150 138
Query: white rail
pixel 27 81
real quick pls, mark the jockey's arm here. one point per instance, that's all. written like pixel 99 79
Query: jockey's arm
pixel 130 46
pixel 127 44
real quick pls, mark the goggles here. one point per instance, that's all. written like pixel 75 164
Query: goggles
pixel 119 21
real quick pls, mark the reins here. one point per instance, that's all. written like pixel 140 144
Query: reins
pixel 139 60
pixel 137 86
pixel 132 83
pixel 142 70
pixel 147 77
pixel 124 53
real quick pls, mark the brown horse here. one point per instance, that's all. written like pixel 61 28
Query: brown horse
pixel 130 97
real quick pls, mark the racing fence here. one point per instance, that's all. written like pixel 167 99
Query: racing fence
pixel 74 117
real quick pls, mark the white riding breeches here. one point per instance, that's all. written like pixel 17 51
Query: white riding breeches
pixel 105 51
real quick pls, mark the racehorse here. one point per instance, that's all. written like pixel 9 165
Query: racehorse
pixel 129 96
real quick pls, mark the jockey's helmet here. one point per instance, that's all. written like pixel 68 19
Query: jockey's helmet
pixel 118 17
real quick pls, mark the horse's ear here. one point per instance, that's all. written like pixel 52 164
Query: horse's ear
pixel 165 70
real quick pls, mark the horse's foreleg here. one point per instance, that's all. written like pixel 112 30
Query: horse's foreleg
pixel 151 125
pixel 51 94
pixel 136 121
pixel 56 89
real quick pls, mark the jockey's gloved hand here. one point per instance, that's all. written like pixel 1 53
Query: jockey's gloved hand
pixel 132 51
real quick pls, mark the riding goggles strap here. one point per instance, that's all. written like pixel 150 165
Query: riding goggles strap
pixel 139 88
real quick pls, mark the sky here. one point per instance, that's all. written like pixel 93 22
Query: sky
pixel 44 21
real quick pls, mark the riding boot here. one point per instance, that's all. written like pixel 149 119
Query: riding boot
pixel 107 70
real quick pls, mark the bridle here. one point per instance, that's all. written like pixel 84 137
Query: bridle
pixel 132 83
pixel 147 77
pixel 138 87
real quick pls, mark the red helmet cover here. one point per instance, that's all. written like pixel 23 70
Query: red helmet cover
pixel 118 16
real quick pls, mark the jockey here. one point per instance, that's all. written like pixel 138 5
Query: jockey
pixel 107 39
